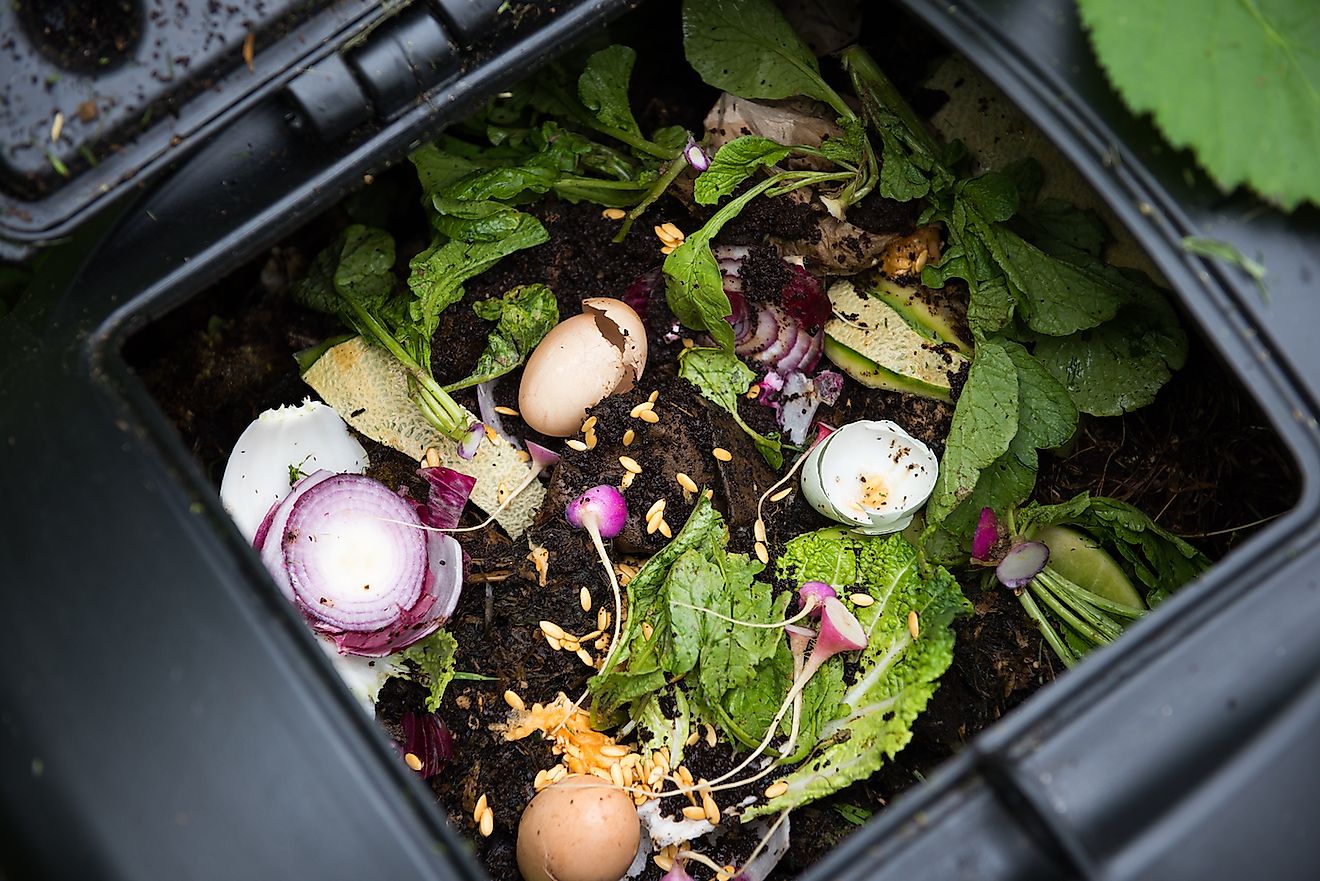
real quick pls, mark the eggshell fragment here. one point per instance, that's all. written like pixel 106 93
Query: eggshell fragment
pixel 580 361
pixel 871 475
pixel 579 829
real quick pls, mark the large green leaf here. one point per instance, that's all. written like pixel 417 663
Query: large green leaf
pixel 1237 81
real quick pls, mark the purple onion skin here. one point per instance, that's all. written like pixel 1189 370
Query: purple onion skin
pixel 426 736
pixel 986 535
pixel 449 492
pixel 467 447
pixel 542 458
pixel 605 504
pixel 642 289
pixel 677 873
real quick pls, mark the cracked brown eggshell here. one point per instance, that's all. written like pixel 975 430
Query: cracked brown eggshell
pixel 579 829
pixel 581 361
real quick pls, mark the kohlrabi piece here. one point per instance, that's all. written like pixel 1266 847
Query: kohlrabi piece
pixel 1080 559
pixel 275 450
pixel 873 476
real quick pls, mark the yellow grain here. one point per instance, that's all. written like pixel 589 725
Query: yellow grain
pixel 758 529
pixel 628 437
pixel 479 809
pixel 614 214
pixel 762 553
pixel 774 790
pixel 650 417
pixel 641 408
pixel 585 657
pixel 506 411
pixel 552 642
pixel 584 599
pixel 658 506
pixel 686 482
pixel 589 424
pixel 576 444
pixel 782 494
pixel 665 530
pixel 627 480
pixel 694 812
pixel 862 600
pixel 412 762
pixel 630 464
pixel 511 698
pixel 914 626
pixel 550 628
pixel 487 823
pixel 432 458
pixel 722 454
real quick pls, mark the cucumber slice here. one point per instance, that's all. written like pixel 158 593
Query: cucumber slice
pixel 871 342
pixel 925 310
pixel 1080 559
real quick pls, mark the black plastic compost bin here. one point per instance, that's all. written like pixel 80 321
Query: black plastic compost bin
pixel 164 714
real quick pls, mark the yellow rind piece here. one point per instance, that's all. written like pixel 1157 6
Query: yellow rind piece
pixel 369 389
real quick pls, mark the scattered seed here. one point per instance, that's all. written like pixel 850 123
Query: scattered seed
pixel 479 809
pixel 584 599
pixel 614 214
pixel 650 417
pixel 412 761
pixel 630 464
pixel 603 619
pixel 753 392
pixel 672 231
pixel 511 698
pixel 685 776
pixel 552 642
pixel 628 437
pixel 653 396
pixel 647 630
pixel 656 508
pixel 616 775
pixel 660 232
pixel 571 645
pixel 914 626
pixel 762 553
pixel 627 480
pixel 490 434
pixel 758 529
pixel 692 741
pixel 589 424
pixel 668 249
pixel 542 780
pixel 640 799
pixel 664 862
pixel 614 750
pixel 432 457
pixel 591 440
pixel 686 482
pixel 576 444
pixel 710 735
pixel 585 657
pixel 665 530
pixel 524 456
pixel 587 637
pixel 56 127
pixel 774 790
pixel 694 812
pixel 550 628
pixel 557 773
pixel 782 494
pixel 487 823
pixel 603 775
pixel 506 411
pixel 641 408
pixel 709 494
pixel 653 522
pixel 722 454
pixel 862 599
pixel 710 809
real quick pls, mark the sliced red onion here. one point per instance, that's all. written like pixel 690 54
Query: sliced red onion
pixel 467 447
pixel 604 503
pixel 986 535
pixel 486 407
pixel 804 298
pixel 797 398
pixel 695 156
pixel 272 552
pixel 352 557
pixel 1023 562
pixel 829 385
pixel 449 492
pixel 677 872
pixel 426 736
pixel 823 431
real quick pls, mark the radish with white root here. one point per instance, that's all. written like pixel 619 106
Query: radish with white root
pixel 602 512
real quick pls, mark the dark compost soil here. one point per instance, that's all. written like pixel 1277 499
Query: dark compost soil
pixel 1201 461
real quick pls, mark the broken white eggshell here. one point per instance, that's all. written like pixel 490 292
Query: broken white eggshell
pixel 581 361
pixel 871 475
pixel 274 448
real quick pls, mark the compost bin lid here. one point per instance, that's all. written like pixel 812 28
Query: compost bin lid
pixel 100 95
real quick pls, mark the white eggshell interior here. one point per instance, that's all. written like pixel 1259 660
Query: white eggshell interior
pixel 310 437
pixel 871 475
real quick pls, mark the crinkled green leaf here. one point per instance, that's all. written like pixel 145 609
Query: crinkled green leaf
pixel 896 674
pixel 1237 81
pixel 734 163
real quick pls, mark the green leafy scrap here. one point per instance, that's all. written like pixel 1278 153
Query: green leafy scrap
pixel 896 674
pixel 603 87
pixel 723 380
pixel 434 660
pixel 734 163
pixel 523 317
pixel 1236 81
